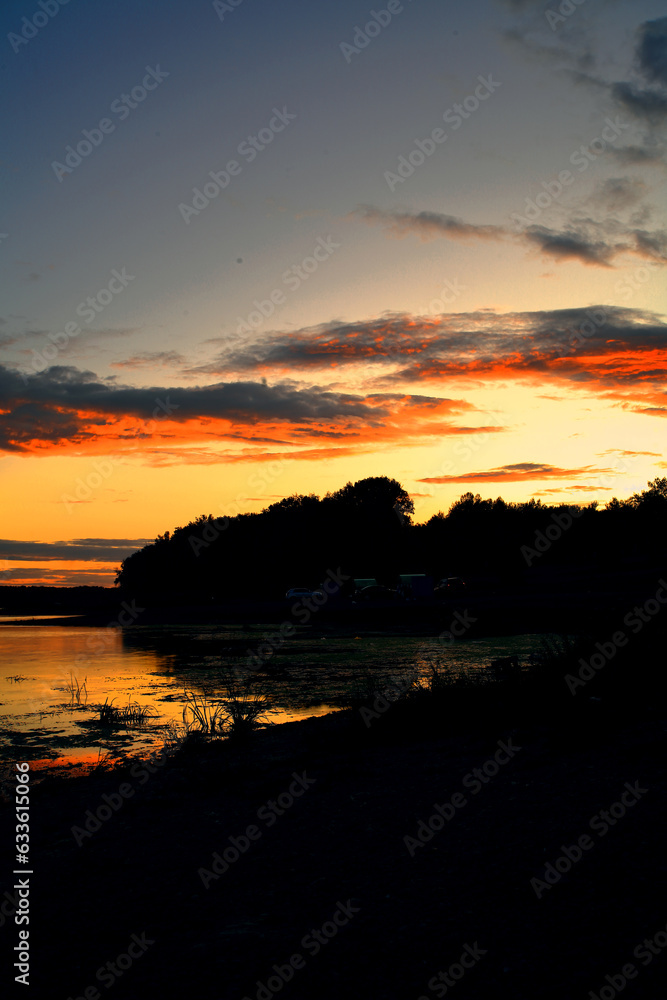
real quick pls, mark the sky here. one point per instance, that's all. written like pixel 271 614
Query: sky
pixel 252 249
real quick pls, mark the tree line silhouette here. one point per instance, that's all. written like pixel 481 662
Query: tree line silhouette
pixel 366 529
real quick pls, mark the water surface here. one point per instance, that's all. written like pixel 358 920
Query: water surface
pixel 54 679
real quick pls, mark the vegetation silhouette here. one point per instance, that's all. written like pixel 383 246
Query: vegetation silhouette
pixel 366 529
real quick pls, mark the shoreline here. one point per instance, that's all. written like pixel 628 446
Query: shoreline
pixel 150 864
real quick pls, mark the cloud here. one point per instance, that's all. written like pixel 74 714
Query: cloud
pixel 569 246
pixel 103 550
pixel 151 359
pixel 573 488
pixel 615 194
pixel 603 349
pixel 648 104
pixel 638 156
pixel 519 472
pixel 610 352
pixel 591 241
pixel 626 452
pixel 65 407
pixel 646 95
pixel 577 48
pixel 652 50
pixel 32 576
pixel 428 225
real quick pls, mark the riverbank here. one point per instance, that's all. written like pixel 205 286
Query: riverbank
pixel 311 815
pixel 548 599
pixel 485 614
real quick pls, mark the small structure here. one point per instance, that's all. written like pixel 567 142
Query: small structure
pixel 415 586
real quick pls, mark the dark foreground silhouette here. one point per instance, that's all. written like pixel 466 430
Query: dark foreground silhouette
pixel 516 821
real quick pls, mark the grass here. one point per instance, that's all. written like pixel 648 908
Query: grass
pixel 200 716
pixel 106 761
pixel 78 692
pixel 243 708
pixel 132 714
pixel 509 693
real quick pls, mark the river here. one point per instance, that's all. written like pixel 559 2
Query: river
pixel 55 679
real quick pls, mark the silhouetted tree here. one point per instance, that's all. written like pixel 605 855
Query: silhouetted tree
pixel 366 529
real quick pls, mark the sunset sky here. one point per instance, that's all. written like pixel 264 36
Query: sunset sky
pixel 435 250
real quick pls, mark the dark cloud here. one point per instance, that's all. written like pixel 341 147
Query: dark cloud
pixel 649 104
pixel 570 245
pixel 571 48
pixel 591 241
pixel 652 50
pixel 66 407
pixel 638 156
pixel 70 388
pixel 651 244
pixel 646 95
pixel 477 344
pixel 104 550
pixel 65 403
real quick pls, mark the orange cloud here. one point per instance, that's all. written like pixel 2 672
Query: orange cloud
pixel 73 411
pixel 519 472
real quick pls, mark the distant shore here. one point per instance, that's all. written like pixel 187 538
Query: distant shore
pixel 487 614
